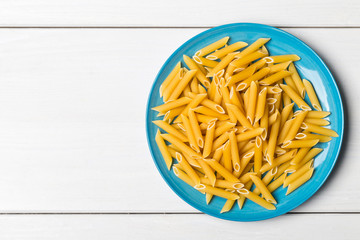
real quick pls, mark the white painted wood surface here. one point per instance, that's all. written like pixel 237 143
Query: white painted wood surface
pixel 72 109
pixel 184 13
pixel 176 227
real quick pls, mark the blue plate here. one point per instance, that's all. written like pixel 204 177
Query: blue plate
pixel 310 67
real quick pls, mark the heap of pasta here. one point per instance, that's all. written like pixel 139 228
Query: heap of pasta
pixel 230 122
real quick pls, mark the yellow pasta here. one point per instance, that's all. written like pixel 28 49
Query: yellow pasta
pixel 212 47
pixel 208 112
pixel 183 176
pixel 257 76
pixel 317 121
pixel 277 161
pixel 218 70
pixel 297 80
pixel 298 173
pixel 223 171
pixel 279 67
pixel 320 130
pixel 256 199
pixel 296 124
pixel 220 140
pixel 300 143
pixel 262 188
pixel 300 155
pixel 300 181
pixel 246 73
pixel 169 78
pixel 239 115
pixel 163 149
pixel 312 95
pixel 260 106
pixel 230 123
pixel 318 114
pixel 178 143
pixel 170 129
pixel 282 58
pixel 295 97
pixel 252 102
pixel 209 138
pixel 173 104
pixel 216 191
pixel 172 85
pixel 196 128
pixel 226 158
pixel 273 140
pixel 275 77
pixel 248 58
pixel 188 169
pixel 199 74
pixel 253 47
pixel 182 84
pixel 249 134
pixel 284 130
pixel 226 50
pixel 190 133
pixel 223 128
pixel 234 152
pixel 258 154
pixel 285 113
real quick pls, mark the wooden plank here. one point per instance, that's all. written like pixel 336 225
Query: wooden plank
pixel 72 109
pixel 31 227
pixel 186 13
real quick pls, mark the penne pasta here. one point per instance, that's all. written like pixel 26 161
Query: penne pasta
pixel 169 78
pixel 300 143
pixel 282 58
pixel 223 171
pixel 258 154
pixel 235 158
pixel 163 149
pixel 274 77
pixel 297 80
pixel 256 199
pixel 170 129
pixel 318 114
pixel 226 50
pixel 187 168
pixel 317 121
pixel 300 181
pixel 196 128
pixel 199 74
pixel 312 95
pixel 173 104
pixel 292 177
pixel 273 140
pixel 296 124
pixel 295 97
pixel 320 130
pixel 212 47
pixel 262 188
pixel 253 92
pixel 279 67
pixel 209 138
pixel 216 191
pixel 249 134
pixel 279 160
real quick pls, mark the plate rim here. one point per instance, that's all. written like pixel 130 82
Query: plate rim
pixel 327 70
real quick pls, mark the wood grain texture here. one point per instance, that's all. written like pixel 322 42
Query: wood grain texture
pixel 59 227
pixel 184 13
pixel 72 119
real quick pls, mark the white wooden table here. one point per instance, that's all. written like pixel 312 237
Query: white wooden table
pixel 73 162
